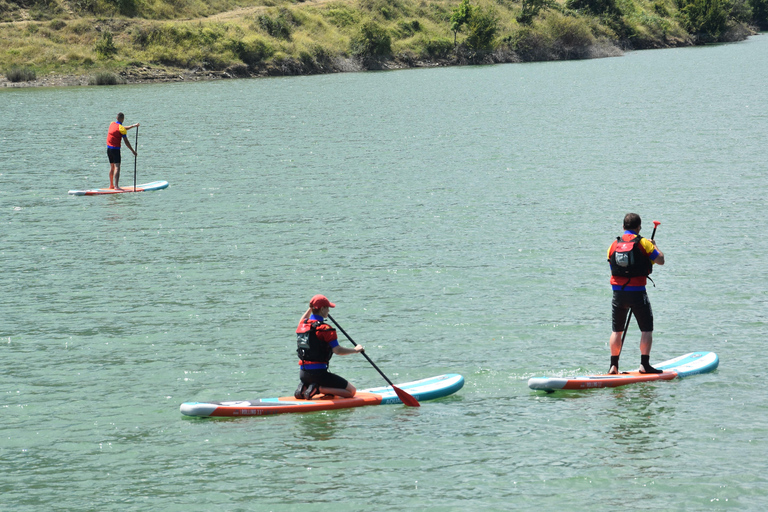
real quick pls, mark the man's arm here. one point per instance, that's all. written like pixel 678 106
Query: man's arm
pixel 343 351
pixel 659 260
pixel 128 144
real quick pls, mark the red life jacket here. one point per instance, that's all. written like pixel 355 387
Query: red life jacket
pixel 629 261
pixel 114 135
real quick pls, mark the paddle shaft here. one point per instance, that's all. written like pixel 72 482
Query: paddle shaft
pixel 135 158
pixel 363 352
pixel 629 316
pixel 404 397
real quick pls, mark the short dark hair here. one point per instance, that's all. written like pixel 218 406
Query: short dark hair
pixel 120 115
pixel 632 221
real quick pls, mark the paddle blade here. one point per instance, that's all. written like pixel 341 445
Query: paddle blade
pixel 406 398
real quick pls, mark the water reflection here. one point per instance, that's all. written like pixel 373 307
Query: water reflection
pixel 640 426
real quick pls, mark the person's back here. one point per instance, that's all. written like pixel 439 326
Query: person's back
pixel 631 258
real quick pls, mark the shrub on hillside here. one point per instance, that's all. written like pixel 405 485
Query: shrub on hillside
pixel 251 50
pixel 105 78
pixel 531 9
pixel 372 41
pixel 280 26
pixel 20 75
pixel 105 46
pixel 571 37
pixel 125 7
pixel 596 7
pixel 705 19
pixel 434 48
pixel 760 12
pixel 481 29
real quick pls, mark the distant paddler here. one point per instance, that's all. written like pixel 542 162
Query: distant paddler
pixel 117 132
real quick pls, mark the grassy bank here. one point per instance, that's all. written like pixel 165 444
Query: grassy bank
pixel 144 38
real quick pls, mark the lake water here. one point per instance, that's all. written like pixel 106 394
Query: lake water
pixel 458 217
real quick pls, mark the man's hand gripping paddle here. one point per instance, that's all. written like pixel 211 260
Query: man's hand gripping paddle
pixel 629 317
pixel 404 397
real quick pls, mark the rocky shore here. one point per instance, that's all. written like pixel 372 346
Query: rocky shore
pixel 144 74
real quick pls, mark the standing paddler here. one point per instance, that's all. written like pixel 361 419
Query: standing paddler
pixel 117 132
pixel 632 258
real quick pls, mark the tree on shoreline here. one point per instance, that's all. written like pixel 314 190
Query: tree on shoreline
pixel 460 17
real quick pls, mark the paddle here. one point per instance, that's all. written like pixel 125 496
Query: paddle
pixel 629 317
pixel 404 397
pixel 135 157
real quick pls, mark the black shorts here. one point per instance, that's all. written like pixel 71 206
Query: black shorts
pixel 638 303
pixel 114 155
pixel 322 378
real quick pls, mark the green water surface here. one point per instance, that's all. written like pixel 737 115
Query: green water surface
pixel 458 217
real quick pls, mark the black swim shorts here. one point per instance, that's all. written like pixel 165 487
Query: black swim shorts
pixel 638 303
pixel 322 378
pixel 114 155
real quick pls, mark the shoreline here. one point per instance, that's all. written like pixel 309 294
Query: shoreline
pixel 149 74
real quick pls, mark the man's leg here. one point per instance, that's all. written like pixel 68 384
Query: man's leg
pixel 646 341
pixel 615 344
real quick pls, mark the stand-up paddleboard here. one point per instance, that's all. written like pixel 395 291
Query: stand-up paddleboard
pixel 146 187
pixel 425 389
pixel 683 366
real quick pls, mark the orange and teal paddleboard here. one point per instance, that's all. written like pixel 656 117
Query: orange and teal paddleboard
pixel 683 366
pixel 421 390
pixel 146 187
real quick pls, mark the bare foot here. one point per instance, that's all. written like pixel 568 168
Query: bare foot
pixel 613 371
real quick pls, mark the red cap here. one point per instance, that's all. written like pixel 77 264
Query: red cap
pixel 320 301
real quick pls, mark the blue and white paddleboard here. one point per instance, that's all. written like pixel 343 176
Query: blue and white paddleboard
pixel 683 366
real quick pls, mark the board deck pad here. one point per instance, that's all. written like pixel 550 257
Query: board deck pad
pixel 421 390
pixel 146 187
pixel 683 366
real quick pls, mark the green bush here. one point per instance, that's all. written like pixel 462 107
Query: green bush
pixel 660 8
pixel 105 46
pixel 105 78
pixel 706 19
pixel 596 7
pixel 760 12
pixel 481 29
pixel 741 11
pixel 408 28
pixel 252 50
pixel 571 37
pixel 20 75
pixel 125 7
pixel 57 24
pixel 531 9
pixel 279 27
pixel 372 41
pixel 439 48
